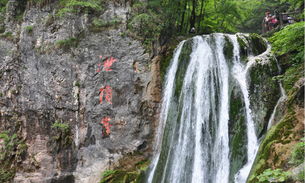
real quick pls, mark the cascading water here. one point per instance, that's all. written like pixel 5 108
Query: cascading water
pixel 194 125
pixel 240 74
pixel 281 100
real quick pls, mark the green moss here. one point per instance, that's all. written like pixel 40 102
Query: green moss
pixel 29 29
pixel 125 176
pixel 228 49
pixel 62 136
pixel 238 135
pixel 184 60
pixel 6 175
pixel 64 127
pixel 243 49
pixel 290 40
pixel 264 91
pixel 298 153
pixel 164 64
pixel 7 35
pixel 3 6
pixel 257 44
pixel 292 75
pixel 66 44
pixel 274 135
pixel 79 6
pixel 100 25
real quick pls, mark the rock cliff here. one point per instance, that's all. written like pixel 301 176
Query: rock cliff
pixel 73 116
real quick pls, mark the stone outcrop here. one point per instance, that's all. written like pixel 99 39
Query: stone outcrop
pixel 50 75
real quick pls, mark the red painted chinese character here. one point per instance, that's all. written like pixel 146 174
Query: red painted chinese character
pixel 108 94
pixel 108 63
pixel 106 125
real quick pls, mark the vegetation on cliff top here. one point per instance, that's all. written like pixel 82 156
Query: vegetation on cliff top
pixel 281 149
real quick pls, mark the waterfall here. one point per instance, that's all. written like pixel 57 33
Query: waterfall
pixel 281 99
pixel 240 74
pixel 167 95
pixel 192 140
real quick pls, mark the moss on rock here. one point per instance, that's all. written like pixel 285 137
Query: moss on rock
pixel 257 44
pixel 275 149
pixel 237 133
pixel 134 175
pixel 264 93
pixel 228 49
pixel 184 60
pixel 243 49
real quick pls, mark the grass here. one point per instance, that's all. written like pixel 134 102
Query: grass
pixel 68 43
pixel 99 25
pixel 29 29
pixel 7 35
pixel 78 6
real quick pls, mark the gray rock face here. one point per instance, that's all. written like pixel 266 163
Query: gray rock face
pixel 43 82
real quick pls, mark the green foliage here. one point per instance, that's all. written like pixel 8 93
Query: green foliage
pixel 290 40
pixel 11 151
pixel 3 5
pixel 274 135
pixel 269 175
pixel 146 25
pixel 99 25
pixel 61 126
pixel 134 175
pixel 6 175
pixel 29 29
pixel 77 6
pixel 66 44
pixel 294 4
pixel 62 137
pixel 292 74
pixel 107 173
pixel 7 35
pixel 298 153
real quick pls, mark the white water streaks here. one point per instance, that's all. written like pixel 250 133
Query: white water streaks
pixel 281 100
pixel 193 144
pixel 167 95
pixel 240 74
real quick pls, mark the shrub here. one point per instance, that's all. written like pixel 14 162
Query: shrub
pixel 77 6
pixel 298 153
pixel 61 126
pixel 3 5
pixel 146 25
pixel 99 25
pixel 106 173
pixel 269 175
pixel 12 150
